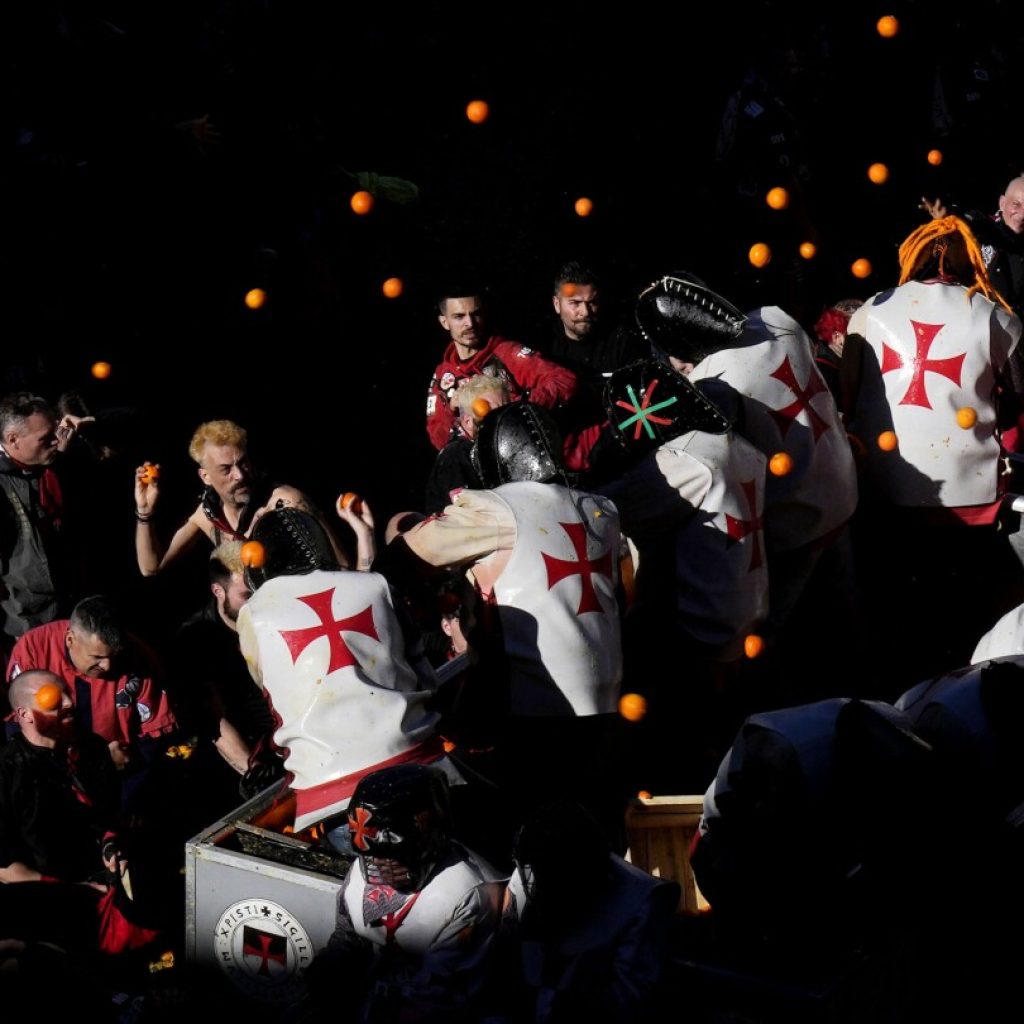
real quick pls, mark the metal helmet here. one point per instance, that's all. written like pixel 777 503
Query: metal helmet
pixel 517 442
pixel 649 403
pixel 399 822
pixel 294 544
pixel 680 316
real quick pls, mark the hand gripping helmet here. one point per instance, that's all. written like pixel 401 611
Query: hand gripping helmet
pixel 517 442
pixel 294 544
pixel 680 316
pixel 400 824
pixel 649 403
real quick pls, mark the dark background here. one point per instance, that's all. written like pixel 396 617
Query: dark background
pixel 132 239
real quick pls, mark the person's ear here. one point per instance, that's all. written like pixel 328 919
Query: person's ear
pixel 218 591
pixel 443 321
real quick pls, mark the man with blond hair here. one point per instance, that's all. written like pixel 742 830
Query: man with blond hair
pixel 234 497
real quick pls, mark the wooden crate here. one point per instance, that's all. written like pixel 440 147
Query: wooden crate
pixel 660 831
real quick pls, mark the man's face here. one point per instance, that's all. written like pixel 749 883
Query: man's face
pixel 468 421
pixel 90 655
pixel 577 307
pixel 36 444
pixel 231 599
pixel 226 469
pixel 1011 206
pixel 463 319
pixel 53 722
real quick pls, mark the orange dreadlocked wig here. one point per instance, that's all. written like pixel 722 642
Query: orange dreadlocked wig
pixel 930 245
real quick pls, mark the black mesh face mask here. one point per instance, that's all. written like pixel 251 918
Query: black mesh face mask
pixel 399 825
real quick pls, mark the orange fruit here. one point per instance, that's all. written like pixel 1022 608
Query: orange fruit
pixel 480 408
pixel 935 157
pixel 887 26
pixel 878 173
pixel 808 250
pixel 584 206
pixel 392 287
pixel 632 707
pixel 569 289
pixel 966 417
pixel 253 554
pixel 780 464
pixel 255 298
pixel 753 646
pixel 760 254
pixel 349 498
pixel 887 441
pixel 477 111
pixel 101 370
pixel 150 472
pixel 777 198
pixel 49 696
pixel 644 794
pixel 448 745
pixel 361 202
pixel 861 268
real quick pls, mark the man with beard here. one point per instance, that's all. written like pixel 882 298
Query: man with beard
pixel 214 696
pixel 472 350
pixel 233 498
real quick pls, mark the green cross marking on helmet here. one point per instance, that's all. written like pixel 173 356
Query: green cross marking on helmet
pixel 641 413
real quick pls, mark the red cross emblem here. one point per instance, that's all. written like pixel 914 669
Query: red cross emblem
pixel 740 528
pixel 560 568
pixel 341 657
pixel 266 946
pixel 917 392
pixel 815 386
pixel 359 826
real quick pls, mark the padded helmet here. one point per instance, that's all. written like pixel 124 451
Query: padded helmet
pixel 680 316
pixel 294 544
pixel 517 442
pixel 399 821
pixel 649 403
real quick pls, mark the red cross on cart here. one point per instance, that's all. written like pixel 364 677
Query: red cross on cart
pixel 560 568
pixel 785 416
pixel 341 657
pixel 917 391
pixel 266 946
pixel 740 528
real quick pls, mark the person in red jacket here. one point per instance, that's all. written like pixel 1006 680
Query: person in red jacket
pixel 472 350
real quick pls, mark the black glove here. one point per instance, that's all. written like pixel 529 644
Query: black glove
pixel 263 772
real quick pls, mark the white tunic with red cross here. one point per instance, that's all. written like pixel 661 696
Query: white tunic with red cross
pixel 721 568
pixel 328 648
pixel 789 408
pixel 555 593
pixel 931 352
pixel 708 489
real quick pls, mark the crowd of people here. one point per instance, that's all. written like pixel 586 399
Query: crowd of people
pixel 680 507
